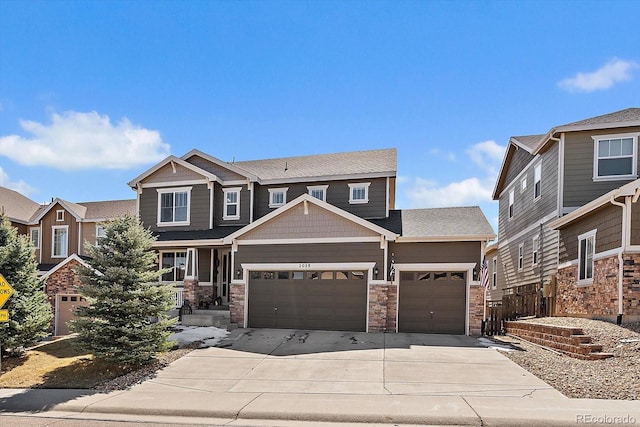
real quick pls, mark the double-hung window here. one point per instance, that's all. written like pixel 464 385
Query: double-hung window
pixel 536 249
pixel 359 193
pixel 318 191
pixel 35 237
pixel 511 201
pixel 586 251
pixel 277 197
pixel 520 256
pixel 100 234
pixel 494 273
pixel 231 203
pixel 615 157
pixel 537 181
pixel 174 206
pixel 60 241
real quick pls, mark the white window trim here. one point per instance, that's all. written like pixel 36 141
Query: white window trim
pixel 494 273
pixel 511 210
pixel 584 236
pixel 53 241
pixel 520 256
pixel 174 190
pixel 319 187
pixel 523 184
pixel 174 252
pixel 31 230
pixel 634 158
pixel 98 227
pixel 366 193
pixel 536 168
pixel 224 211
pixel 273 191
pixel 535 252
pixel 59 215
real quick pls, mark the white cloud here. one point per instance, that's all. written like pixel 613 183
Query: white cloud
pixel 614 71
pixel 19 186
pixel 487 155
pixel 75 140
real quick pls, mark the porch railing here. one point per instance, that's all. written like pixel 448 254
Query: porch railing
pixel 178 296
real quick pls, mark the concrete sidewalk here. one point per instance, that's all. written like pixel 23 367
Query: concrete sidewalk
pixel 341 377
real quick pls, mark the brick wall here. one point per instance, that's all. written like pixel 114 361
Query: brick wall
pixel 600 300
pixel 65 280
pixel 237 303
pixel 476 309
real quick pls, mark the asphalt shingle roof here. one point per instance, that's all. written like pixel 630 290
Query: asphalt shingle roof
pixel 529 141
pixel 625 115
pixel 16 206
pixel 109 209
pixel 337 164
pixel 437 222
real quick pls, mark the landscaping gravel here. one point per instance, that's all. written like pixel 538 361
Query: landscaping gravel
pixel 614 378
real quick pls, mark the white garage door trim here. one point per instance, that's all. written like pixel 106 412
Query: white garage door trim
pixel 302 266
pixel 467 267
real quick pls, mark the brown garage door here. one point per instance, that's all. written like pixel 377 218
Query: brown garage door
pixel 327 300
pixel 432 302
pixel 66 307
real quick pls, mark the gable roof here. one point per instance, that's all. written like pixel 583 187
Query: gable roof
pixel 17 207
pixel 109 209
pixel 371 163
pixel 439 224
pixel 534 144
pixel 170 160
pixel 230 166
pixel 307 198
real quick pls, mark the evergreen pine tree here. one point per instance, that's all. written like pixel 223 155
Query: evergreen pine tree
pixel 29 311
pixel 126 321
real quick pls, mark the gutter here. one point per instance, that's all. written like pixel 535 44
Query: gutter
pixel 613 201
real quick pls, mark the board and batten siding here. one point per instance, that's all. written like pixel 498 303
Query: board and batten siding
pixel 309 253
pixel 579 187
pixel 48 221
pixel 337 195
pixel 607 220
pixel 199 208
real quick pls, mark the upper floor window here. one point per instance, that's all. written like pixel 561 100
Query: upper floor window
pixel 59 215
pixel 277 197
pixel 319 192
pixel 100 234
pixel 536 249
pixel 231 203
pixel 615 157
pixel 511 200
pixel 520 256
pixel 35 237
pixel 537 181
pixel 173 206
pixel 586 251
pixel 494 273
pixel 523 184
pixel 60 241
pixel 359 193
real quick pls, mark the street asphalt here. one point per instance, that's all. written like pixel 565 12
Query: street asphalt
pixel 268 377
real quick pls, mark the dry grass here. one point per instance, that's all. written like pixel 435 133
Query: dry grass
pixel 58 364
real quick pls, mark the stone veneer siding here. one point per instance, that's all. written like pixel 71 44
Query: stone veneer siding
pixel 383 301
pixel 600 300
pixel 237 303
pixel 63 281
pixel 476 309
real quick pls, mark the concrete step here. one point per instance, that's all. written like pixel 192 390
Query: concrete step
pixel 217 318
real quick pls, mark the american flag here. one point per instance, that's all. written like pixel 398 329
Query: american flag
pixel 484 274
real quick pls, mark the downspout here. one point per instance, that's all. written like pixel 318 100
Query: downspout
pixel 620 257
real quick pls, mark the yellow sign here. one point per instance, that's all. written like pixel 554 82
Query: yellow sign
pixel 4 316
pixel 5 291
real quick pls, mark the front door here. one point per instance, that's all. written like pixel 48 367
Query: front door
pixel 223 268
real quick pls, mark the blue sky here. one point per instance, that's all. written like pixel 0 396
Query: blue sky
pixel 93 93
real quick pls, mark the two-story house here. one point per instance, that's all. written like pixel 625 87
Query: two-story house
pixel 59 231
pixel 566 208
pixel 313 242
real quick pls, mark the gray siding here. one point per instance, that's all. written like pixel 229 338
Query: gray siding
pixel 450 252
pixel 519 160
pixel 199 203
pixel 221 172
pixel 579 187
pixel 337 195
pixel 204 265
pixel 245 206
pixel 310 253
pixel 635 223
pixel 608 222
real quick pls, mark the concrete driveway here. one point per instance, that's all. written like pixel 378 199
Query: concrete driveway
pixel 323 362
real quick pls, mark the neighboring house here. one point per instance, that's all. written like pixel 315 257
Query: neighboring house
pixel 59 231
pixel 313 242
pixel 544 177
